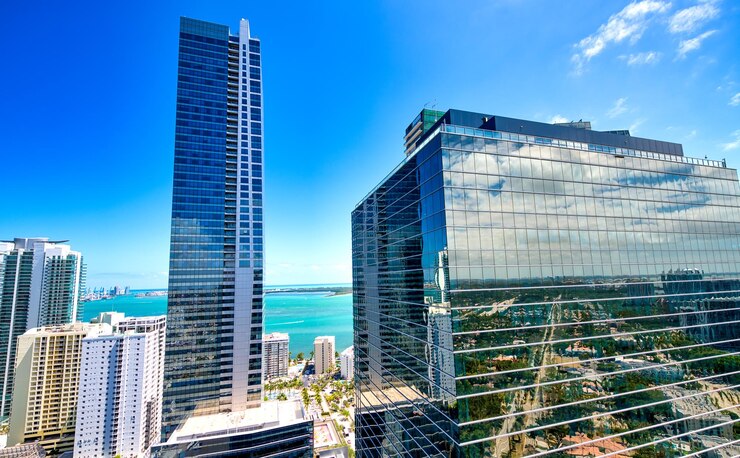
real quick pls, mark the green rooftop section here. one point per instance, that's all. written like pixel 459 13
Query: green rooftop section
pixel 427 118
pixel 419 126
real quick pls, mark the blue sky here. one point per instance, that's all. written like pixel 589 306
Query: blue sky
pixel 88 105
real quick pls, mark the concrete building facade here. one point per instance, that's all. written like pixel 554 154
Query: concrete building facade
pixel 119 410
pixel 276 348
pixel 347 363
pixel 40 285
pixel 324 354
pixel 47 385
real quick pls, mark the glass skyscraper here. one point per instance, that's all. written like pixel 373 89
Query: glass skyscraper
pixel 213 360
pixel 527 289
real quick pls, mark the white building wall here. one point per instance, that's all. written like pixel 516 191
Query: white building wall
pixel 37 280
pixel 276 355
pixel 244 275
pixel 347 363
pixel 95 402
pixel 442 363
pixel 131 362
pixel 43 284
pixel 44 406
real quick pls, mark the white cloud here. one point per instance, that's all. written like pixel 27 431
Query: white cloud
pixel 692 44
pixel 735 100
pixel 690 19
pixel 620 107
pixel 633 128
pixel 642 58
pixel 628 24
pixel 558 119
pixel 733 144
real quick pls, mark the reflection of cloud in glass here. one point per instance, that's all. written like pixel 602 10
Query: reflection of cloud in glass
pixel 634 214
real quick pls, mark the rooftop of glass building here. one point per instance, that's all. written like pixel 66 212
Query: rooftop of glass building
pixel 574 135
pixel 268 415
pixel 570 132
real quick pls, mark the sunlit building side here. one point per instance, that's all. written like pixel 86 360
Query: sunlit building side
pixel 528 289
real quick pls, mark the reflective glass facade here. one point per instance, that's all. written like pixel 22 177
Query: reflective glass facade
pixel 213 359
pixel 525 295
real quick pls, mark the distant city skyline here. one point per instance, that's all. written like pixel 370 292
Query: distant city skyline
pixel 102 164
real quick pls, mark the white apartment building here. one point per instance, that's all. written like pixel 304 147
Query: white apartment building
pixel 347 363
pixel 119 412
pixel 276 354
pixel 47 378
pixel 111 318
pixel 323 354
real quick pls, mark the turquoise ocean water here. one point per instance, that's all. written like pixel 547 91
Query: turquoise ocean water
pixel 302 315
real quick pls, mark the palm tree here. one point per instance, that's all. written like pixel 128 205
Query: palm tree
pixel 306 399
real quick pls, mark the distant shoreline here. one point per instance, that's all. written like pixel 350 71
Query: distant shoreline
pixel 330 290
pixel 138 294
pixel 302 314
pixel 334 290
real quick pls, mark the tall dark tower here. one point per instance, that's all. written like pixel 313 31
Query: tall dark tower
pixel 213 361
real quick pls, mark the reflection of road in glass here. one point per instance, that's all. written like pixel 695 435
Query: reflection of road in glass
pixel 522 401
pixel 537 400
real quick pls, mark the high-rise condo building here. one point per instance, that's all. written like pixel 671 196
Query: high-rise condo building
pixel 119 407
pixel 324 354
pixel 528 289
pixel 41 282
pixel 47 378
pixel 213 361
pixel 347 363
pixel 276 347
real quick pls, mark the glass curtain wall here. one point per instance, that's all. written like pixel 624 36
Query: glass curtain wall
pixel 514 297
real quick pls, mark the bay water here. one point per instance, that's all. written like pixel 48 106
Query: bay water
pixel 303 315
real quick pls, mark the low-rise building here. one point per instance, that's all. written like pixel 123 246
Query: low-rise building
pixel 32 450
pixel 660 372
pixel 715 446
pixel 698 412
pixel 594 446
pixel 328 443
